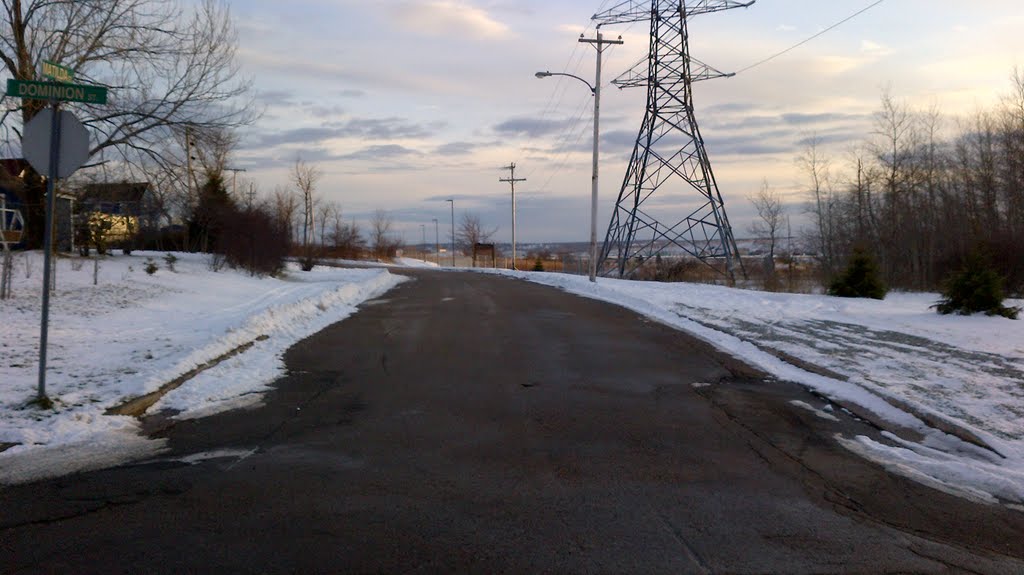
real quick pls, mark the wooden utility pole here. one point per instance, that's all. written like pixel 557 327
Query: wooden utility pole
pixel 512 180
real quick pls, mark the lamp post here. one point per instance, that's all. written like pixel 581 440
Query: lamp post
pixel 452 202
pixel 437 243
pixel 595 89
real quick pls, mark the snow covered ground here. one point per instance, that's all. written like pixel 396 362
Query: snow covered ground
pixel 133 332
pixel 897 358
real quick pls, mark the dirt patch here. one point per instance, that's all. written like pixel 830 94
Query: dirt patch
pixel 138 406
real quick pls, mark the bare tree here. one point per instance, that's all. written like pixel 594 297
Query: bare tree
pixel 212 148
pixel 168 64
pixel 772 214
pixel 817 168
pixel 380 234
pixel 285 207
pixel 347 238
pixel 471 232
pixel 1013 155
pixel 326 212
pixel 897 140
pixel 305 178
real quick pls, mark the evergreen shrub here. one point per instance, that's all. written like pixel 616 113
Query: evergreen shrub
pixel 860 279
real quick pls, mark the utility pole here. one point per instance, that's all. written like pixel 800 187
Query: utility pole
pixel 423 246
pixel 598 43
pixel 437 243
pixel 251 195
pixel 188 184
pixel 512 180
pixel 234 179
pixel 452 202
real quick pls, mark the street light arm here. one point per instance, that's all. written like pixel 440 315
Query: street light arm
pixel 546 74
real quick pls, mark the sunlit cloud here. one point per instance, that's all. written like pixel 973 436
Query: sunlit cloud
pixel 449 18
pixel 874 50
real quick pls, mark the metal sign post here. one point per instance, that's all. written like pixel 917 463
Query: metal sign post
pixel 51 206
pixel 73 150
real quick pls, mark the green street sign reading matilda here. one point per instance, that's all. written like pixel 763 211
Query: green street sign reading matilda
pixel 57 73
pixel 53 91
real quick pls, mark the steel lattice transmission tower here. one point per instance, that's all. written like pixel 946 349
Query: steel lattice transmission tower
pixel 669 160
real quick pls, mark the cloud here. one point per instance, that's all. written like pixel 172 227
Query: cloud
pixel 468 198
pixel 456 149
pixel 364 128
pixel 320 111
pixel 299 65
pixel 381 152
pixel 274 97
pixel 390 128
pixel 449 18
pixel 296 136
pixel 874 50
pixel 531 127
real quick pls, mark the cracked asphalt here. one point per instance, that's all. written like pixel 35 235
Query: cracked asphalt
pixel 477 424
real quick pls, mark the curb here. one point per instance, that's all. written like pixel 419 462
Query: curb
pixel 137 407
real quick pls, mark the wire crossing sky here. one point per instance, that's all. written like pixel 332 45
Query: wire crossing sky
pixel 818 35
pixel 406 103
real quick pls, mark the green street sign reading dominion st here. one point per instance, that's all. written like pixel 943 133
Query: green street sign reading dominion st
pixel 53 91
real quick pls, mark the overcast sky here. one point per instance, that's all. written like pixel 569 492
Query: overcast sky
pixel 405 103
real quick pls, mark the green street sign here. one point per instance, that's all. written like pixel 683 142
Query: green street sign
pixel 57 73
pixel 50 91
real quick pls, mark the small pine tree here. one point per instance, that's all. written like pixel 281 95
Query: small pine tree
pixel 860 279
pixel 538 265
pixel 975 288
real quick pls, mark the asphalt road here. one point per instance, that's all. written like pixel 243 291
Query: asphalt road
pixel 475 424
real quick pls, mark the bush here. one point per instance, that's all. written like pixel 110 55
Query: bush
pixel 538 265
pixel 170 260
pixel 253 241
pixel 860 279
pixel 975 288
pixel 151 266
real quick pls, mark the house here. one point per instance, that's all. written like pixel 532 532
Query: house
pixel 114 215
pixel 15 196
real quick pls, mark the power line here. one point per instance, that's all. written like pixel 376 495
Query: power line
pixel 797 45
pixel 561 87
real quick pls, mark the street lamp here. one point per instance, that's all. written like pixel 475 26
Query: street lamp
pixel 437 243
pixel 452 202
pixel 595 89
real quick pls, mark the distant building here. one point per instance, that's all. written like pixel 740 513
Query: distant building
pixel 115 215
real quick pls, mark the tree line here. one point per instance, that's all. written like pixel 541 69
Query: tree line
pixel 924 200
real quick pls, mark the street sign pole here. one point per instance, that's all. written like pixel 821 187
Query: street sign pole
pixel 77 152
pixel 51 205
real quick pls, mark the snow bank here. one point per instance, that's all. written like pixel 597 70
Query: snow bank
pixel 133 332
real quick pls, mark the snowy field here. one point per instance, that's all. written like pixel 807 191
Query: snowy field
pixel 133 332
pixel 897 358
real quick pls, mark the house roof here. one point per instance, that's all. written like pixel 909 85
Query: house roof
pixel 13 167
pixel 118 192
